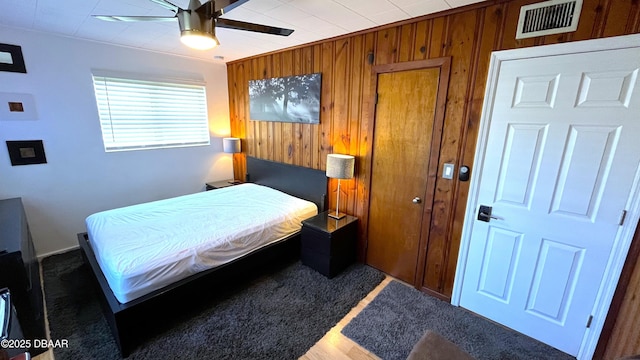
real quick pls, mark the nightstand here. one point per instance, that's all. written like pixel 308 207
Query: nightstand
pixel 328 245
pixel 212 185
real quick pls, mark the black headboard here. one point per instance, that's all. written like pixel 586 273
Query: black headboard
pixel 302 182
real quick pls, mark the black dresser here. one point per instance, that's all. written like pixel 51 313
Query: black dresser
pixel 20 270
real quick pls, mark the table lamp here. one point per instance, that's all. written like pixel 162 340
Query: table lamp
pixel 339 167
pixel 231 145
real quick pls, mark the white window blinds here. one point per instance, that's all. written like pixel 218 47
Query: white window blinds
pixel 139 114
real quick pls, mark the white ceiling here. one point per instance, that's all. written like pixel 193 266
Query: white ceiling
pixel 311 19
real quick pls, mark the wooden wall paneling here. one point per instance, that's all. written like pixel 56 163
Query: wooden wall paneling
pixel 365 143
pixel 634 17
pixel 252 132
pixel 233 100
pixel 621 336
pixel 241 77
pixel 592 20
pixel 617 17
pixel 488 38
pixel 234 103
pixel 407 39
pixel 340 124
pixel 261 126
pixel 437 43
pixel 329 60
pixel 387 46
pixel 625 338
pixel 250 136
pixel 326 106
pixel 341 94
pixel 307 60
pixel 461 189
pixel 446 34
pixel 266 127
pixel 460 45
pixel 297 127
pixel 233 108
pixel 252 68
pixel 240 166
pixel 244 110
pixel 421 40
pixel 288 135
pixel 358 59
pixel 554 39
pixel 307 129
pixel 236 71
pixel 317 140
pixel 278 153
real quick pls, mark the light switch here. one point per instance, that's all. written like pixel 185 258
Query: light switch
pixel 447 171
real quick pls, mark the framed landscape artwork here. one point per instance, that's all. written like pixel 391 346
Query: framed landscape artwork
pixel 286 99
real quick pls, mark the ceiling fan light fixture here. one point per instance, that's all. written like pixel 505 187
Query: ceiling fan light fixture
pixel 199 40
pixel 198 21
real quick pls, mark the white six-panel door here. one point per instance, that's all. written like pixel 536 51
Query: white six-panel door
pixel 560 159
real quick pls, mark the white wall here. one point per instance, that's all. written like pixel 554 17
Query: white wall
pixel 79 177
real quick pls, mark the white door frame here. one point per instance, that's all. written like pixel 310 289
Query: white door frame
pixel 624 236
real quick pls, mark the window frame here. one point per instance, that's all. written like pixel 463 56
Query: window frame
pixel 115 116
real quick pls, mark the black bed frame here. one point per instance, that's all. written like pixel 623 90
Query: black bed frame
pixel 128 321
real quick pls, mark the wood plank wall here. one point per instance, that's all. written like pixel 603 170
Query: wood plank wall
pixel 468 36
pixel 623 321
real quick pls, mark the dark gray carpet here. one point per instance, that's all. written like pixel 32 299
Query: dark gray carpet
pixel 398 317
pixel 279 315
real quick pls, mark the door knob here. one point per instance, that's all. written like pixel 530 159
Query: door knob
pixel 484 214
pixel 417 200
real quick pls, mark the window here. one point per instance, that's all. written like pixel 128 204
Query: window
pixel 141 114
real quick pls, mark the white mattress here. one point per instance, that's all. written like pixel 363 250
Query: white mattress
pixel 145 247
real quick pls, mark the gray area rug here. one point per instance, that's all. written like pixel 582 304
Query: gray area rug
pixel 279 315
pixel 398 317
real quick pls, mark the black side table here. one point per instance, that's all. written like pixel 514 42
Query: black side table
pixel 329 245
pixel 212 185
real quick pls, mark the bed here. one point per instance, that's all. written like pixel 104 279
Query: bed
pixel 148 271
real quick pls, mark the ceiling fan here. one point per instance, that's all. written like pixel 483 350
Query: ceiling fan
pixel 198 21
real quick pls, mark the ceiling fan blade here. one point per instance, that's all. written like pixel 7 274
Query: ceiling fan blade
pixel 134 18
pixel 241 25
pixel 166 5
pixel 224 6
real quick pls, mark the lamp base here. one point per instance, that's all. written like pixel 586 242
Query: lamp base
pixel 332 214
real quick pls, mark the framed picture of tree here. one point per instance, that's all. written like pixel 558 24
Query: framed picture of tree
pixel 286 99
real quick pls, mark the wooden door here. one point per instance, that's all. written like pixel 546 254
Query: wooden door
pixel 403 131
pixel 560 161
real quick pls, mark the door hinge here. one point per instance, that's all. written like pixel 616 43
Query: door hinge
pixel 622 217
pixel 376 99
pixel 589 321
pixel 370 58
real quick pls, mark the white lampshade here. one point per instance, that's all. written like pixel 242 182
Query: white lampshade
pixel 231 145
pixel 340 166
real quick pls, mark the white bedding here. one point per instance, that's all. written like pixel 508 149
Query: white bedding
pixel 145 247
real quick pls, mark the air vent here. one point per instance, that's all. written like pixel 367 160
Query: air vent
pixel 549 17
